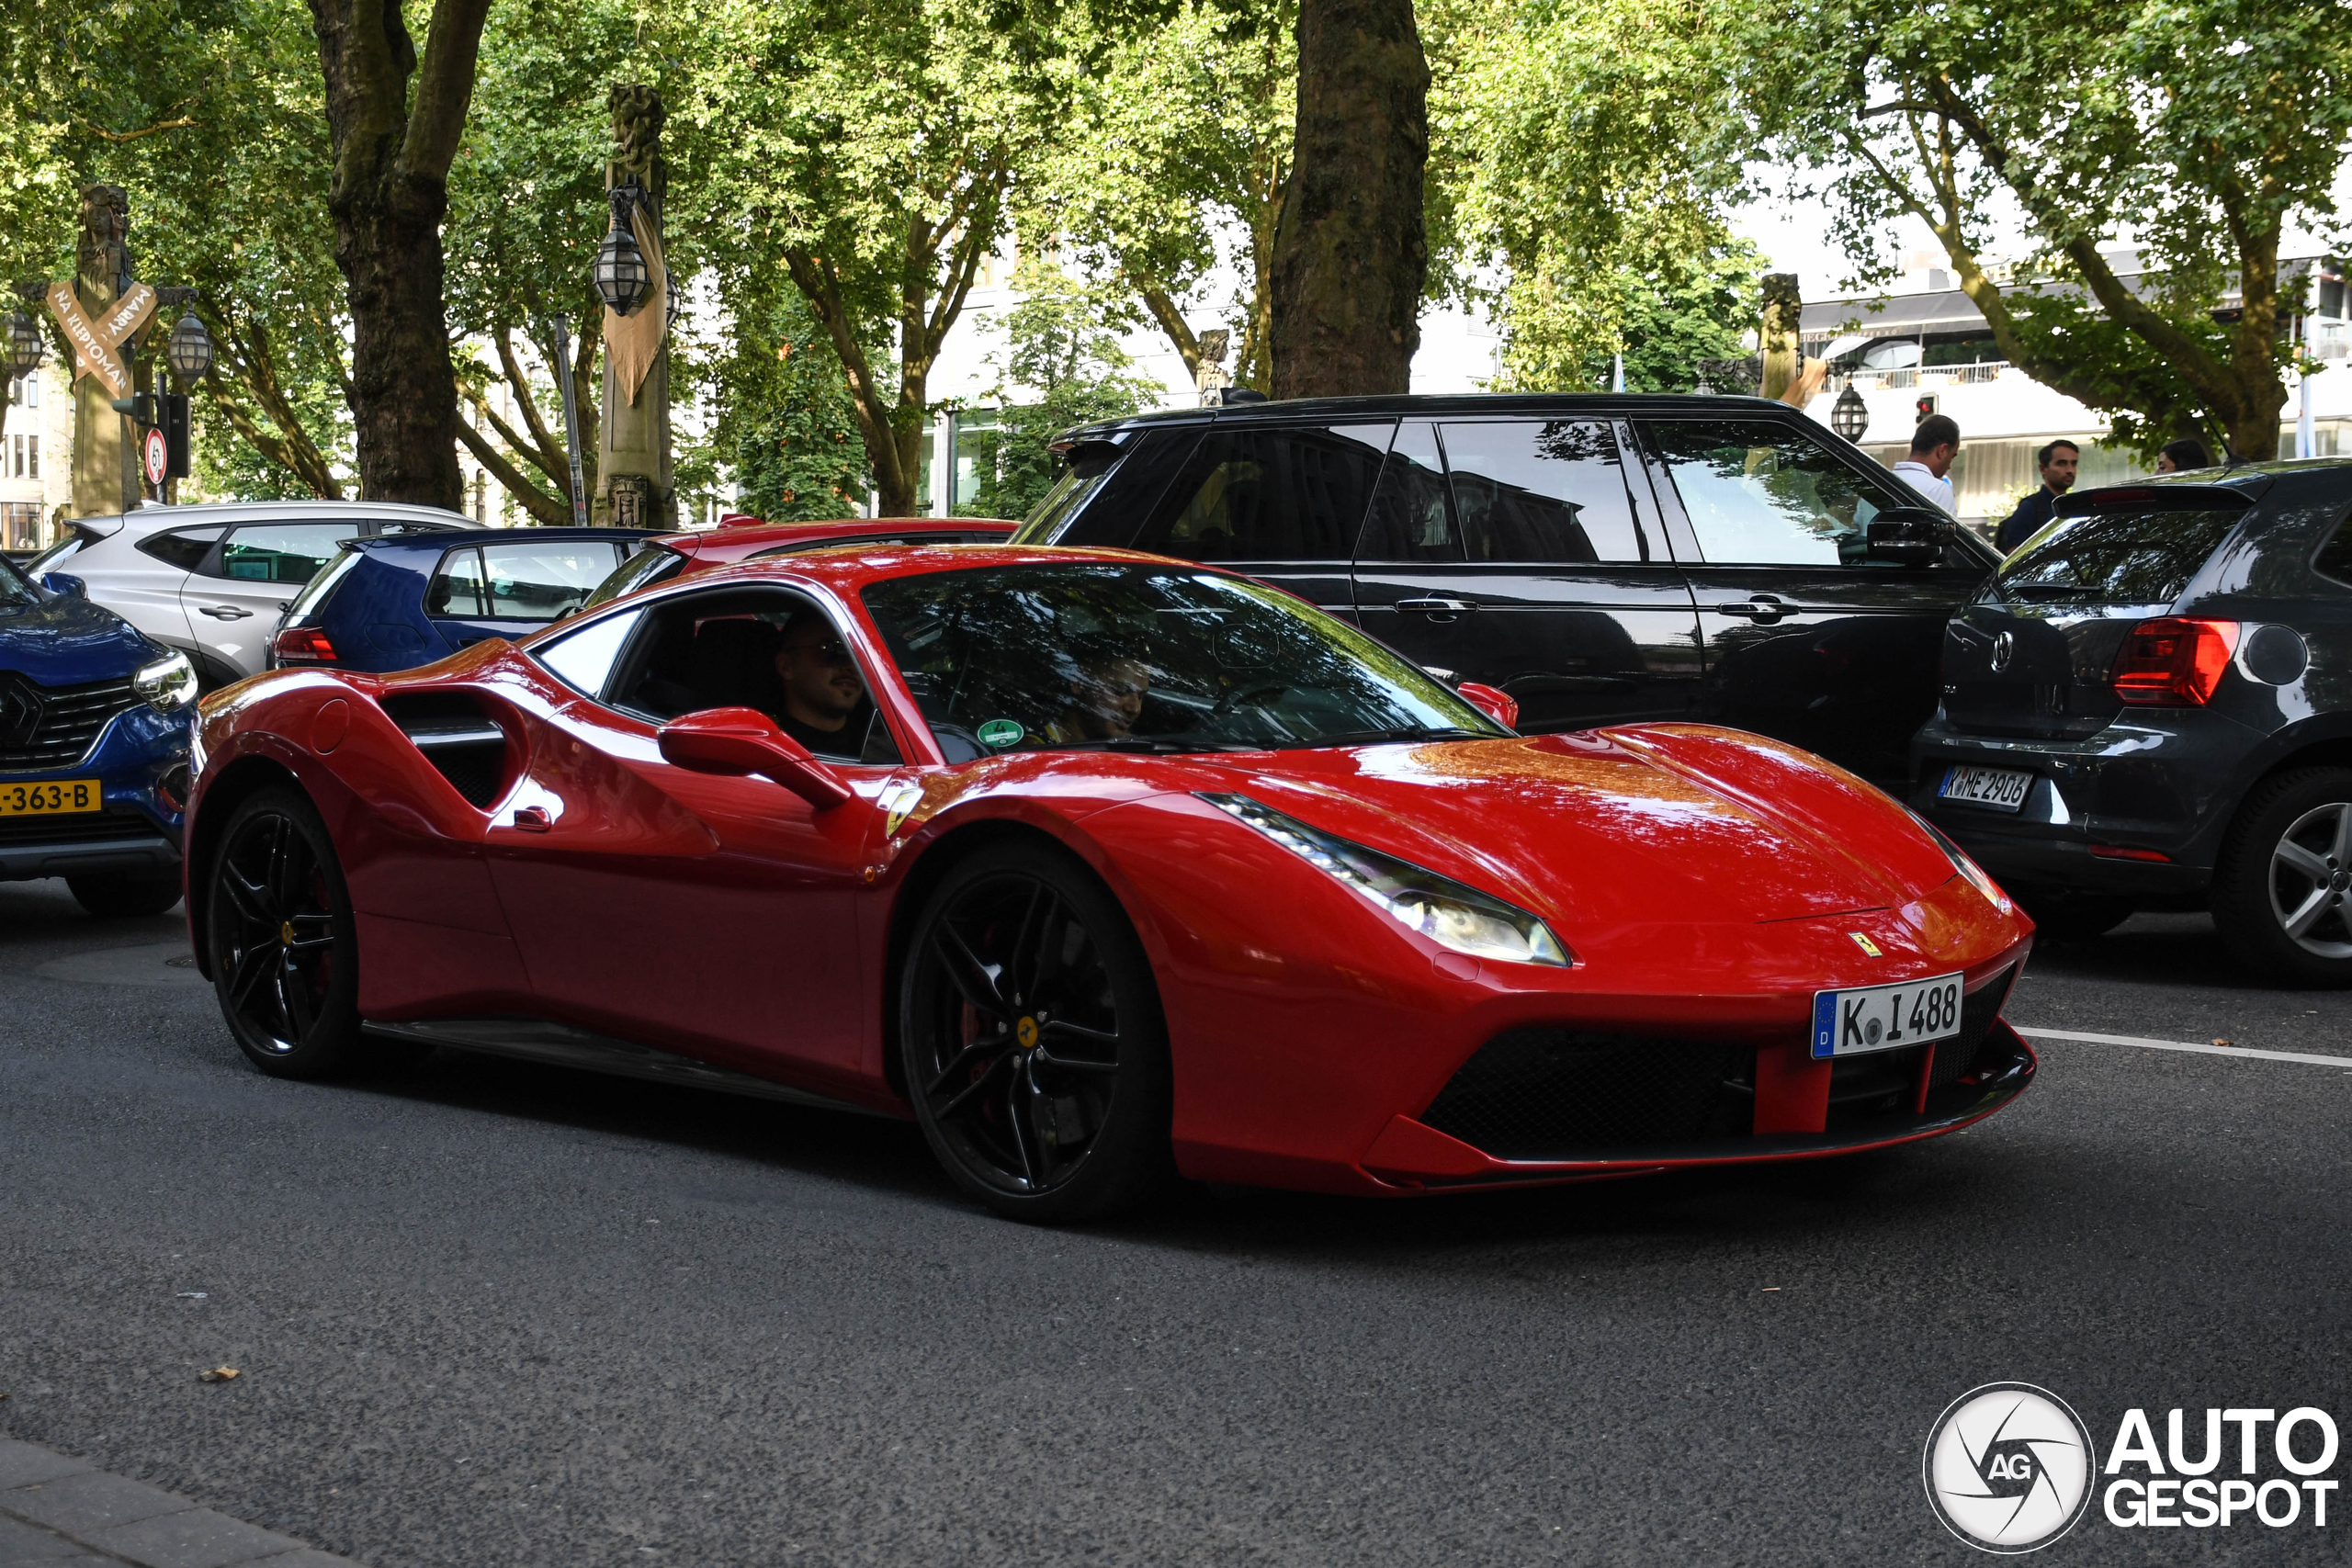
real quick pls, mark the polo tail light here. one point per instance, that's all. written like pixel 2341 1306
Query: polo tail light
pixel 2175 662
pixel 301 645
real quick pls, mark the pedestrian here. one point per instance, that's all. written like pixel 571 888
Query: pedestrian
pixel 1934 445
pixel 2059 461
pixel 2182 454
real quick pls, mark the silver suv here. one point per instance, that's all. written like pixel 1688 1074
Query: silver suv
pixel 210 580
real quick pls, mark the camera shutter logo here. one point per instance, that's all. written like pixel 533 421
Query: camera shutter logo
pixel 2009 1467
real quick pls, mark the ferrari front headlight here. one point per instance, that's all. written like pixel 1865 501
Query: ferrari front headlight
pixel 168 684
pixel 1445 910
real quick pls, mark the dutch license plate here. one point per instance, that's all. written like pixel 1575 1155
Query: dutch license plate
pixel 42 799
pixel 1885 1018
pixel 2003 789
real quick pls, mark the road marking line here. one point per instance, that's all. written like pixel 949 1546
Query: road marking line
pixel 2343 1062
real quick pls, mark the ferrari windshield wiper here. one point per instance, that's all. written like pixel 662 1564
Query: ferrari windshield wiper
pixel 1403 732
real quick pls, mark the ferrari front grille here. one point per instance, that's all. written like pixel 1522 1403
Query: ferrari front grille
pixel 54 726
pixel 1566 1094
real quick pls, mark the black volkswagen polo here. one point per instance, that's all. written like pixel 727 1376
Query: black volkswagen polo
pixel 2151 706
pixel 1602 560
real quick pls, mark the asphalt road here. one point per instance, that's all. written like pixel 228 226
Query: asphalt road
pixel 495 1314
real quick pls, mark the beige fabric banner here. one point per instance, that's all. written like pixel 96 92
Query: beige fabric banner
pixel 635 339
pixel 94 343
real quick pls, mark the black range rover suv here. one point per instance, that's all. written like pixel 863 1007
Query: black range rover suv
pixel 1602 560
pixel 2150 705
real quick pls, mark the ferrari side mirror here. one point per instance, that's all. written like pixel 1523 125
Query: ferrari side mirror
pixel 1498 706
pixel 743 741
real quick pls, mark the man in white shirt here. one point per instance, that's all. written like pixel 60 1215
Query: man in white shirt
pixel 1933 446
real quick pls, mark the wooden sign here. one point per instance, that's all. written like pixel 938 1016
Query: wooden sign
pixel 94 343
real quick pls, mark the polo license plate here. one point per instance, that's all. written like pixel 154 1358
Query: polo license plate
pixel 50 796
pixel 1885 1018
pixel 2003 789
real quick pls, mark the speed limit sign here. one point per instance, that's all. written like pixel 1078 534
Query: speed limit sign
pixel 158 456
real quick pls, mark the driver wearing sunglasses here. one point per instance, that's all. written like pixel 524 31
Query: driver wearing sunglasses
pixel 822 690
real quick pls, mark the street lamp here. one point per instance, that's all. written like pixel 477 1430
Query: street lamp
pixel 620 271
pixel 1849 417
pixel 190 350
pixel 26 350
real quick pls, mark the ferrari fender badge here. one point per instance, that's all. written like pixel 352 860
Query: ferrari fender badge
pixel 1866 945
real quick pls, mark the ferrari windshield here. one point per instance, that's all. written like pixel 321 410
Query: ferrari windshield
pixel 1111 657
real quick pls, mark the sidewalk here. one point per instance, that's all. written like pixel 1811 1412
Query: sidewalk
pixel 56 1512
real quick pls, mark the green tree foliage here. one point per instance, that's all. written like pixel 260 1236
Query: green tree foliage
pixel 1062 367
pixel 208 113
pixel 2206 128
pixel 791 425
pixel 868 162
pixel 1698 309
pixel 1585 158
pixel 1177 156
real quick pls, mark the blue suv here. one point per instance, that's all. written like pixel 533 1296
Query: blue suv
pixel 94 750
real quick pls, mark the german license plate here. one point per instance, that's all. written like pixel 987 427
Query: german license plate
pixel 1885 1018
pixel 42 799
pixel 2003 789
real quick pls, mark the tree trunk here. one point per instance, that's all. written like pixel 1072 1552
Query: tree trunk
pixel 388 194
pixel 1351 252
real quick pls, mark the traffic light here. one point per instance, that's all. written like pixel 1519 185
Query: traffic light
pixel 140 408
pixel 171 409
pixel 1925 406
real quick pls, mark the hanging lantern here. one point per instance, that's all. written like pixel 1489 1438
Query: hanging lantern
pixel 190 350
pixel 24 348
pixel 620 272
pixel 1849 417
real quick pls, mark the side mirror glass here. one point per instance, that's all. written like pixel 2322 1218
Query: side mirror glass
pixel 746 741
pixel 65 583
pixel 1498 706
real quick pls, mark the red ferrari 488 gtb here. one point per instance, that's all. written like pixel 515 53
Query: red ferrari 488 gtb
pixel 1102 868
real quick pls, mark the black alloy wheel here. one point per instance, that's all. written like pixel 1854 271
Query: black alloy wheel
pixel 284 949
pixel 1031 1036
pixel 2282 888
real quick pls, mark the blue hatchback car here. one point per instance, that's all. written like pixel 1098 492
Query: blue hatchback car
pixel 393 604
pixel 94 750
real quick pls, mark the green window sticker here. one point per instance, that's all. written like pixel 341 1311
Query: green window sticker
pixel 1000 732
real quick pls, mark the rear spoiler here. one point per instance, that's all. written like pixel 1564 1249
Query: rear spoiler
pixel 2234 496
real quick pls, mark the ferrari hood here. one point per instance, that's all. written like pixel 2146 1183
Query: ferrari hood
pixel 1680 822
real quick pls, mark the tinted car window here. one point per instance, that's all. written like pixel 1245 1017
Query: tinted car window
pixel 1095 655
pixel 2335 558
pixel 1410 520
pixel 654 563
pixel 1294 493
pixel 1760 493
pixel 456 587
pixel 518 582
pixel 282 552
pixel 183 547
pixel 1129 481
pixel 2126 557
pixel 1542 490
pixel 323 584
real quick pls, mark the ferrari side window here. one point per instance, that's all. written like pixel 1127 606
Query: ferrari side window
pixel 767 648
pixel 582 659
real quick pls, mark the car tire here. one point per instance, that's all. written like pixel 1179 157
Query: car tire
pixel 284 949
pixel 2060 915
pixel 125 897
pixel 1029 1023
pixel 2282 887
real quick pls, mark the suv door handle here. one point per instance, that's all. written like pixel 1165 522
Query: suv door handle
pixel 1436 606
pixel 1762 608
pixel 224 611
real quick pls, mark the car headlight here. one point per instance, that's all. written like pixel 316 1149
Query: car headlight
pixel 168 684
pixel 1964 865
pixel 1441 909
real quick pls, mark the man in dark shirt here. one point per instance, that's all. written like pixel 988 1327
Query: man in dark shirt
pixel 2058 462
pixel 822 692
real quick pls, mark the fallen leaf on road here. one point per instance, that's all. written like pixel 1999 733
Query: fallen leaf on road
pixel 218 1374
pixel 2225 1042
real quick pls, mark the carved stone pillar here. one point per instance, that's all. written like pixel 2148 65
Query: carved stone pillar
pixel 106 444
pixel 635 485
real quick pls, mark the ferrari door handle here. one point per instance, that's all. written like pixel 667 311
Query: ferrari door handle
pixel 532 818
pixel 1762 608
pixel 1437 606
pixel 224 611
